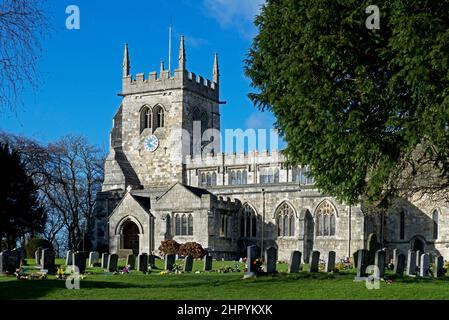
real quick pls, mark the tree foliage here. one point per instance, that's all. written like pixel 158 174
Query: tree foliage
pixel 20 211
pixel 368 110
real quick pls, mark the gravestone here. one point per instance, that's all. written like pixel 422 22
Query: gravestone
pixel 270 259
pixel 362 264
pixel 79 260
pixel 411 263
pixel 38 256
pixel 418 258
pixel 131 261
pixel 399 266
pixel 104 260
pixel 379 262
pixel 425 266
pixel 396 252
pixel 7 262
pixel 169 261
pixel 438 268
pixel 188 264
pixel 253 253
pixel 48 260
pixel 94 258
pixel 151 261
pixel 330 263
pixel 18 257
pixel 113 263
pixel 314 262
pixel 295 262
pixel 69 258
pixel 207 263
pixel 142 262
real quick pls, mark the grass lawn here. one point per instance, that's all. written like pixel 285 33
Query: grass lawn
pixel 209 286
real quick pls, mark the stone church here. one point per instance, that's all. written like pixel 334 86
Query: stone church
pixel 157 187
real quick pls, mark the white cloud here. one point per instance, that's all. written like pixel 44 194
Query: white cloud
pixel 237 14
pixel 260 120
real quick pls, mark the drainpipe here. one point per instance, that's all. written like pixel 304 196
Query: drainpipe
pixel 349 231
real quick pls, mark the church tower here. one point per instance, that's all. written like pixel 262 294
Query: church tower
pixel 162 119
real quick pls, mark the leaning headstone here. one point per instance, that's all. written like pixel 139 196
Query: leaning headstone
pixel 94 258
pixel 379 262
pixel 270 259
pixel 253 253
pixel 207 263
pixel 131 261
pixel 151 261
pixel 69 258
pixel 48 260
pixel 418 258
pixel 425 266
pixel 399 266
pixel 330 263
pixel 438 268
pixel 411 263
pixel 113 263
pixel 104 260
pixel 314 262
pixel 188 264
pixel 79 260
pixel 295 262
pixel 362 264
pixel 142 262
pixel 169 261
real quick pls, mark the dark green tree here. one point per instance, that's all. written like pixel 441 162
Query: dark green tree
pixel 20 212
pixel 368 110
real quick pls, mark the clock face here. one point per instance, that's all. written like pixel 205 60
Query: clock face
pixel 151 143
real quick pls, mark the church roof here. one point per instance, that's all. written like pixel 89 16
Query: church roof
pixel 144 202
pixel 197 191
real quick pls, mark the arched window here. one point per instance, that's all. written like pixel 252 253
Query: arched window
pixel 325 218
pixel 159 117
pixel 190 225
pixel 178 225
pixel 435 224
pixel 239 177
pixel 168 225
pixel 248 222
pixel 402 225
pixel 204 122
pixel 244 177
pixel 184 225
pixel 285 220
pixel 209 179
pixel 276 176
pixel 214 179
pixel 203 179
pixel 145 119
pixel 233 179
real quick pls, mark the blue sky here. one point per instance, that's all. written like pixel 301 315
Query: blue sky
pixel 80 70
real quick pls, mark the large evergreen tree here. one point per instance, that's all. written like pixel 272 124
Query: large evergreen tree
pixel 366 109
pixel 20 212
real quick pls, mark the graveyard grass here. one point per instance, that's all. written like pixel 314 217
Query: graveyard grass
pixel 212 285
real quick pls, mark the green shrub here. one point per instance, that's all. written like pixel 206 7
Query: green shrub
pixel 35 243
pixel 193 249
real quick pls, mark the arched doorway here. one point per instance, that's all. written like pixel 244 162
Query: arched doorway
pixel 130 236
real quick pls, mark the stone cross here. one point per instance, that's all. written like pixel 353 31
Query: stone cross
pixel 131 261
pixel 169 261
pixel 207 263
pixel 188 264
pixel 399 266
pixel 379 262
pixel 314 262
pixel 270 259
pixel 295 262
pixel 411 263
pixel 330 263
pixel 113 263
pixel 94 258
pixel 425 266
pixel 438 268
pixel 104 260
pixel 142 263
